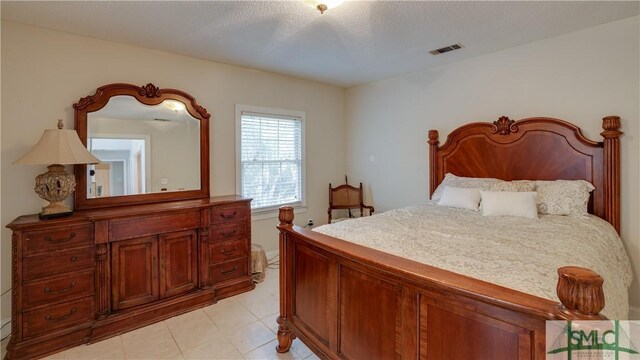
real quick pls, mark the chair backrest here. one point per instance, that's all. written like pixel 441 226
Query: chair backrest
pixel 345 197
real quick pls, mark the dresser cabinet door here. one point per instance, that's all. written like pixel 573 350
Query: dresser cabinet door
pixel 134 271
pixel 178 263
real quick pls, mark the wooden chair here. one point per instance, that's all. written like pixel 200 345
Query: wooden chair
pixel 347 197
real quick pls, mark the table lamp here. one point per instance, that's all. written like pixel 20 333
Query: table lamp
pixel 57 147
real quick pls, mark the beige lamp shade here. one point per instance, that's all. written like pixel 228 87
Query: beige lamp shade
pixel 58 146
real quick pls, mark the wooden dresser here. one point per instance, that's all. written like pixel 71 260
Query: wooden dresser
pixel 102 272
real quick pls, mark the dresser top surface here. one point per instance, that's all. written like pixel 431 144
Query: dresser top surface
pixel 130 210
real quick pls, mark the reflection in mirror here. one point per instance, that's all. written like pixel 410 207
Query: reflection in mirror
pixel 143 148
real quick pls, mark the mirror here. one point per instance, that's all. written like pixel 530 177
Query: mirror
pixel 153 145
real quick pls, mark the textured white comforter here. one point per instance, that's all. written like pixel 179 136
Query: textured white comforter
pixel 521 254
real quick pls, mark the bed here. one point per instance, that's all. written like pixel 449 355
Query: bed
pixel 345 298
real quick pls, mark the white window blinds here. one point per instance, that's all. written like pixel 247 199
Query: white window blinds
pixel 271 153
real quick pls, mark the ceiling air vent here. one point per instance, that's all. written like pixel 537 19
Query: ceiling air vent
pixel 446 49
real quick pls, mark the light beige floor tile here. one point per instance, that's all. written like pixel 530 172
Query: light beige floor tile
pixel 251 337
pixel 111 349
pixel 271 322
pixel 218 348
pixel 185 319
pixel 312 357
pixel 62 355
pixel 148 332
pixel 192 331
pixel 163 347
pixel 259 291
pixel 230 316
pixel 262 306
pixel 300 348
pixel 151 342
pixel 268 352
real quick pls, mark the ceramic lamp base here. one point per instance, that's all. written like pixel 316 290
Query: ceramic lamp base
pixel 54 186
pixel 55 210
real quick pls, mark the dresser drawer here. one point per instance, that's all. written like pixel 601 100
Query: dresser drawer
pixel 58 238
pixel 141 226
pixel 67 287
pixel 224 214
pixel 45 320
pixel 229 250
pixel 230 270
pixel 226 232
pixel 57 262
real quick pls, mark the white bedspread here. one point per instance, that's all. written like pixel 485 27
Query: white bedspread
pixel 521 254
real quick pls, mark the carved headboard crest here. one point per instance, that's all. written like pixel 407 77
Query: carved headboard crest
pixel 149 91
pixel 504 126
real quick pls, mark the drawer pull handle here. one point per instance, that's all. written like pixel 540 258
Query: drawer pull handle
pixel 57 241
pixel 63 317
pixel 228 233
pixel 52 292
pixel 74 258
pixel 228 252
pixel 227 272
pixel 228 216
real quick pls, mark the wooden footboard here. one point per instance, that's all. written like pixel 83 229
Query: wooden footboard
pixel 347 301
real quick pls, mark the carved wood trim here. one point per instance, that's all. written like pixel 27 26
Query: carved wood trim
pixel 205 281
pixel 433 149
pixel 285 336
pixel 148 94
pixel 16 262
pixel 504 126
pixel 611 135
pixel 580 292
pixel 102 279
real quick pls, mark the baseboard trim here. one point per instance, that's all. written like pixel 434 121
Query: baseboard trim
pixel 634 313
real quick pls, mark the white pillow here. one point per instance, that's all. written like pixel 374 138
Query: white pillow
pixel 462 182
pixel 463 198
pixel 508 203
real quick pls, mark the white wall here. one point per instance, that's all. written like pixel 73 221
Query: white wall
pixel 580 77
pixel 45 72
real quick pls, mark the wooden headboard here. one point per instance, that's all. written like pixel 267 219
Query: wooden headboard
pixel 534 149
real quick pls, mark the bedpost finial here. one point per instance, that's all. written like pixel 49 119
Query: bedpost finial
pixel 286 215
pixel 611 126
pixel 504 126
pixel 433 137
pixel 580 291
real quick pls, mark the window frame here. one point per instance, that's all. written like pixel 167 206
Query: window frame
pixel 271 211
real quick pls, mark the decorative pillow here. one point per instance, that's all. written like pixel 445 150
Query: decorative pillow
pixel 462 182
pixel 464 198
pixel 516 185
pixel 509 203
pixel 563 197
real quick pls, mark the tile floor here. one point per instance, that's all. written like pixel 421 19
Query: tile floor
pixel 240 327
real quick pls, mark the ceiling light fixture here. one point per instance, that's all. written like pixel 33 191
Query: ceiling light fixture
pixel 323 5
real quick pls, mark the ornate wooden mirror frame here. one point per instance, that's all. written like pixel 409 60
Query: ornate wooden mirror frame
pixel 148 95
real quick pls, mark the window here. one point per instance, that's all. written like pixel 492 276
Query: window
pixel 270 156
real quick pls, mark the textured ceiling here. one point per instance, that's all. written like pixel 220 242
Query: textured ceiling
pixel 358 42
